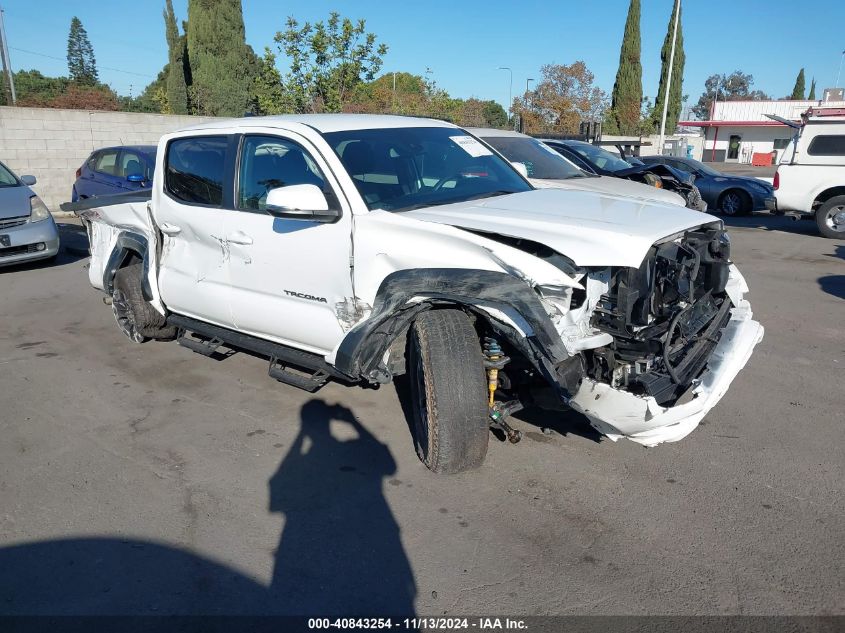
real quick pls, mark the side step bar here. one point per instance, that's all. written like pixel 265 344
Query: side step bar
pixel 282 357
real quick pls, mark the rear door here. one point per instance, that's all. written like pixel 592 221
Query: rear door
pixel 131 163
pixel 106 180
pixel 288 276
pixel 189 211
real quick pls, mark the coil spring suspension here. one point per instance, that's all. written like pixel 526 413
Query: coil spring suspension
pixel 494 361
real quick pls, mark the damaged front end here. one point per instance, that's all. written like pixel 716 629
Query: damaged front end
pixel 672 335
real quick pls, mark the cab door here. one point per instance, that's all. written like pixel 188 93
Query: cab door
pixel 193 274
pixel 288 276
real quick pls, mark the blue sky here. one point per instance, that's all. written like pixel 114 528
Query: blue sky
pixel 463 43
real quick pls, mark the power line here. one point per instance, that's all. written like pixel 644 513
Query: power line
pixel 62 59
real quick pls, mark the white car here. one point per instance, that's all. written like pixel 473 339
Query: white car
pixel 545 167
pixel 361 247
pixel 810 179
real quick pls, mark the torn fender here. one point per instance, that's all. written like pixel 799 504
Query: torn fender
pixel 405 293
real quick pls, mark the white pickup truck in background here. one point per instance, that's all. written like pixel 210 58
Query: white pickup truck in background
pixel 810 179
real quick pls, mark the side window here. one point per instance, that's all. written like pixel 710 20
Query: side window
pixel 130 164
pixel 106 162
pixel 269 162
pixel 194 169
pixel 827 145
pixel 92 160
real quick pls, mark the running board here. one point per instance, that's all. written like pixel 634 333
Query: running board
pixel 206 348
pixel 284 360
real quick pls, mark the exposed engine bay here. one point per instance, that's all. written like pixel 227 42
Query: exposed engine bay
pixel 665 316
pixel 668 178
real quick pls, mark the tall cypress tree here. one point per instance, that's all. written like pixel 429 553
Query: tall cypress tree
pixel 812 94
pixel 673 112
pixel 798 90
pixel 81 64
pixel 177 88
pixel 222 65
pixel 626 100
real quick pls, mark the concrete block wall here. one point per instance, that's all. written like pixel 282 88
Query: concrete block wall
pixel 51 144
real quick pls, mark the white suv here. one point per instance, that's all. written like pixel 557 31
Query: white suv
pixel 359 248
pixel 810 179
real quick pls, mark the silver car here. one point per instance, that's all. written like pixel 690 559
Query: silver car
pixel 27 229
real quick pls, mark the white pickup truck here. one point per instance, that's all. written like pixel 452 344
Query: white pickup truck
pixel 810 179
pixel 359 247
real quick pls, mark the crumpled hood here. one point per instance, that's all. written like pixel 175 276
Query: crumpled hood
pixel 14 202
pixel 589 228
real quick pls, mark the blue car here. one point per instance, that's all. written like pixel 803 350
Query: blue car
pixel 727 194
pixel 112 170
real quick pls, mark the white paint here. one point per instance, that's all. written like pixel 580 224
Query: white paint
pixel 802 178
pixel 591 229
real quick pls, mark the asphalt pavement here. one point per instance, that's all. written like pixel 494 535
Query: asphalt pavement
pixel 148 479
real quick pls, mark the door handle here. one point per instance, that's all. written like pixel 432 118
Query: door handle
pixel 170 229
pixel 239 237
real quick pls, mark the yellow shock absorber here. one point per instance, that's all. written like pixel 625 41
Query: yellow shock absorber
pixel 494 360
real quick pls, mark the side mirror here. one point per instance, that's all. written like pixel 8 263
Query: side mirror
pixel 300 202
pixel 28 180
pixel 521 168
pixel 135 178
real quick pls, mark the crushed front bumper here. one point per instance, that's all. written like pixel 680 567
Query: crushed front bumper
pixel 29 242
pixel 618 413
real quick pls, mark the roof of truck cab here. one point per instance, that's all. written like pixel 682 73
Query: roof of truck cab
pixel 323 122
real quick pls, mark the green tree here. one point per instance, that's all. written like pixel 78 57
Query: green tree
pixel 81 64
pixel 673 111
pixel 327 61
pixel 733 87
pixel 222 65
pixel 268 92
pixel 798 89
pixel 177 87
pixel 626 99
pixel 812 94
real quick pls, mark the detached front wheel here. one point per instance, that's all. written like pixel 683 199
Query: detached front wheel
pixel 135 317
pixel 448 392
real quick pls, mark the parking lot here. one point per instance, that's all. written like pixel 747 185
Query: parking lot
pixel 147 479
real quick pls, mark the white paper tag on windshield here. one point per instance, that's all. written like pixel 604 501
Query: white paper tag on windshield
pixel 471 146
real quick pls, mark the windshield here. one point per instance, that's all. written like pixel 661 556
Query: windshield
pixel 539 159
pixel 7 178
pixel 601 158
pixel 400 169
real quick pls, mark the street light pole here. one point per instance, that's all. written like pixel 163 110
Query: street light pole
pixel 510 87
pixel 839 74
pixel 7 63
pixel 669 76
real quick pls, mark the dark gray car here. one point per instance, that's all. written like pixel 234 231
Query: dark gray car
pixel 731 195
pixel 27 229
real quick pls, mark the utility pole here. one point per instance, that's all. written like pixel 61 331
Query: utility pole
pixel 510 88
pixel 7 64
pixel 669 76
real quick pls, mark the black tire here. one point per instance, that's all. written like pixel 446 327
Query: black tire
pixel 734 202
pixel 448 392
pixel 135 317
pixel 826 216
